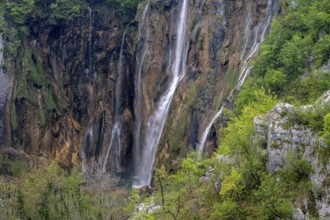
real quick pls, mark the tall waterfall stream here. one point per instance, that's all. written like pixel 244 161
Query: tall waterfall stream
pixel 157 121
pixel 259 32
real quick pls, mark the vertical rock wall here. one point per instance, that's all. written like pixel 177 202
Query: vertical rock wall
pixel 66 74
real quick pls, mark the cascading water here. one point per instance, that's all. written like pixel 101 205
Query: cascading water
pixel 141 56
pixel 207 131
pixel 88 141
pixel 1 53
pixel 115 138
pixel 157 121
pixel 258 39
pixel 4 89
pixel 271 8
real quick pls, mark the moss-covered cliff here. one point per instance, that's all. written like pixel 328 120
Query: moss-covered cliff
pixel 65 74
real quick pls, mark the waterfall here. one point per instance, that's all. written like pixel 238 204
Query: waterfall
pixel 157 121
pixel 115 138
pixel 258 38
pixel 88 139
pixel 87 143
pixel 1 53
pixel 141 56
pixel 207 131
pixel 4 90
pixel 257 41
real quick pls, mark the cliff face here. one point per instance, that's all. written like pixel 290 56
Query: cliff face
pixel 221 37
pixel 74 94
pixel 4 90
pixel 283 138
pixel 65 79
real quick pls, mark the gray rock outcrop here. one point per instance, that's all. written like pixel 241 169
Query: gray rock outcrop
pixel 283 136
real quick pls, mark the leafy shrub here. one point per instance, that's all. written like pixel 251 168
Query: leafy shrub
pixel 296 168
pixel 53 193
pixel 310 117
pixel 66 10
pixel 18 10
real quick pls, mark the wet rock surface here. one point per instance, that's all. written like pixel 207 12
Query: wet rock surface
pixel 80 61
pixel 4 92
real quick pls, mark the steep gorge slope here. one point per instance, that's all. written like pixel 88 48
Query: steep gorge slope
pixel 63 103
pixel 146 89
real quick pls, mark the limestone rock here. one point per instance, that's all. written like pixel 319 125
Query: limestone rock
pixel 283 137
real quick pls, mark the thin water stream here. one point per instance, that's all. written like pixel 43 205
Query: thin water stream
pixel 246 58
pixel 157 121
pixel 115 139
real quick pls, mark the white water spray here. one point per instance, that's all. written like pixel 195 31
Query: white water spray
pixel 141 56
pixel 4 90
pixel 157 121
pixel 207 131
pixel 87 143
pixel 258 39
pixel 115 138
pixel 1 53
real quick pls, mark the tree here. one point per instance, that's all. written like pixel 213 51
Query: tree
pixel 66 10
pixel 19 10
pixel 232 185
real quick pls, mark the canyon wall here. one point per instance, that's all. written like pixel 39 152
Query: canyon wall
pixel 74 80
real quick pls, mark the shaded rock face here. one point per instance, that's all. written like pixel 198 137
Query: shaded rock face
pixel 69 115
pixel 220 34
pixel 63 104
pixel 282 138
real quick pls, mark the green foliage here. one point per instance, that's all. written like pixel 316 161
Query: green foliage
pixel 308 89
pixel 239 130
pixel 297 44
pixel 296 168
pixel 326 136
pixel 326 123
pixel 309 117
pixel 178 193
pixel 274 80
pixel 247 95
pixel 11 166
pixel 18 10
pixel 53 193
pixel 240 187
pixel 21 89
pixel 273 199
pixel 50 104
pixel 231 185
pixel 321 50
pixel 226 210
pixel 66 10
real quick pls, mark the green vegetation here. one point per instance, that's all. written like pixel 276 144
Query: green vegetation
pixel 53 193
pixel 66 10
pixel 298 43
pixel 239 187
pixel 289 68
pixel 234 183
pixel 33 85
pixel 309 117
pixel 12 167
pixel 19 10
